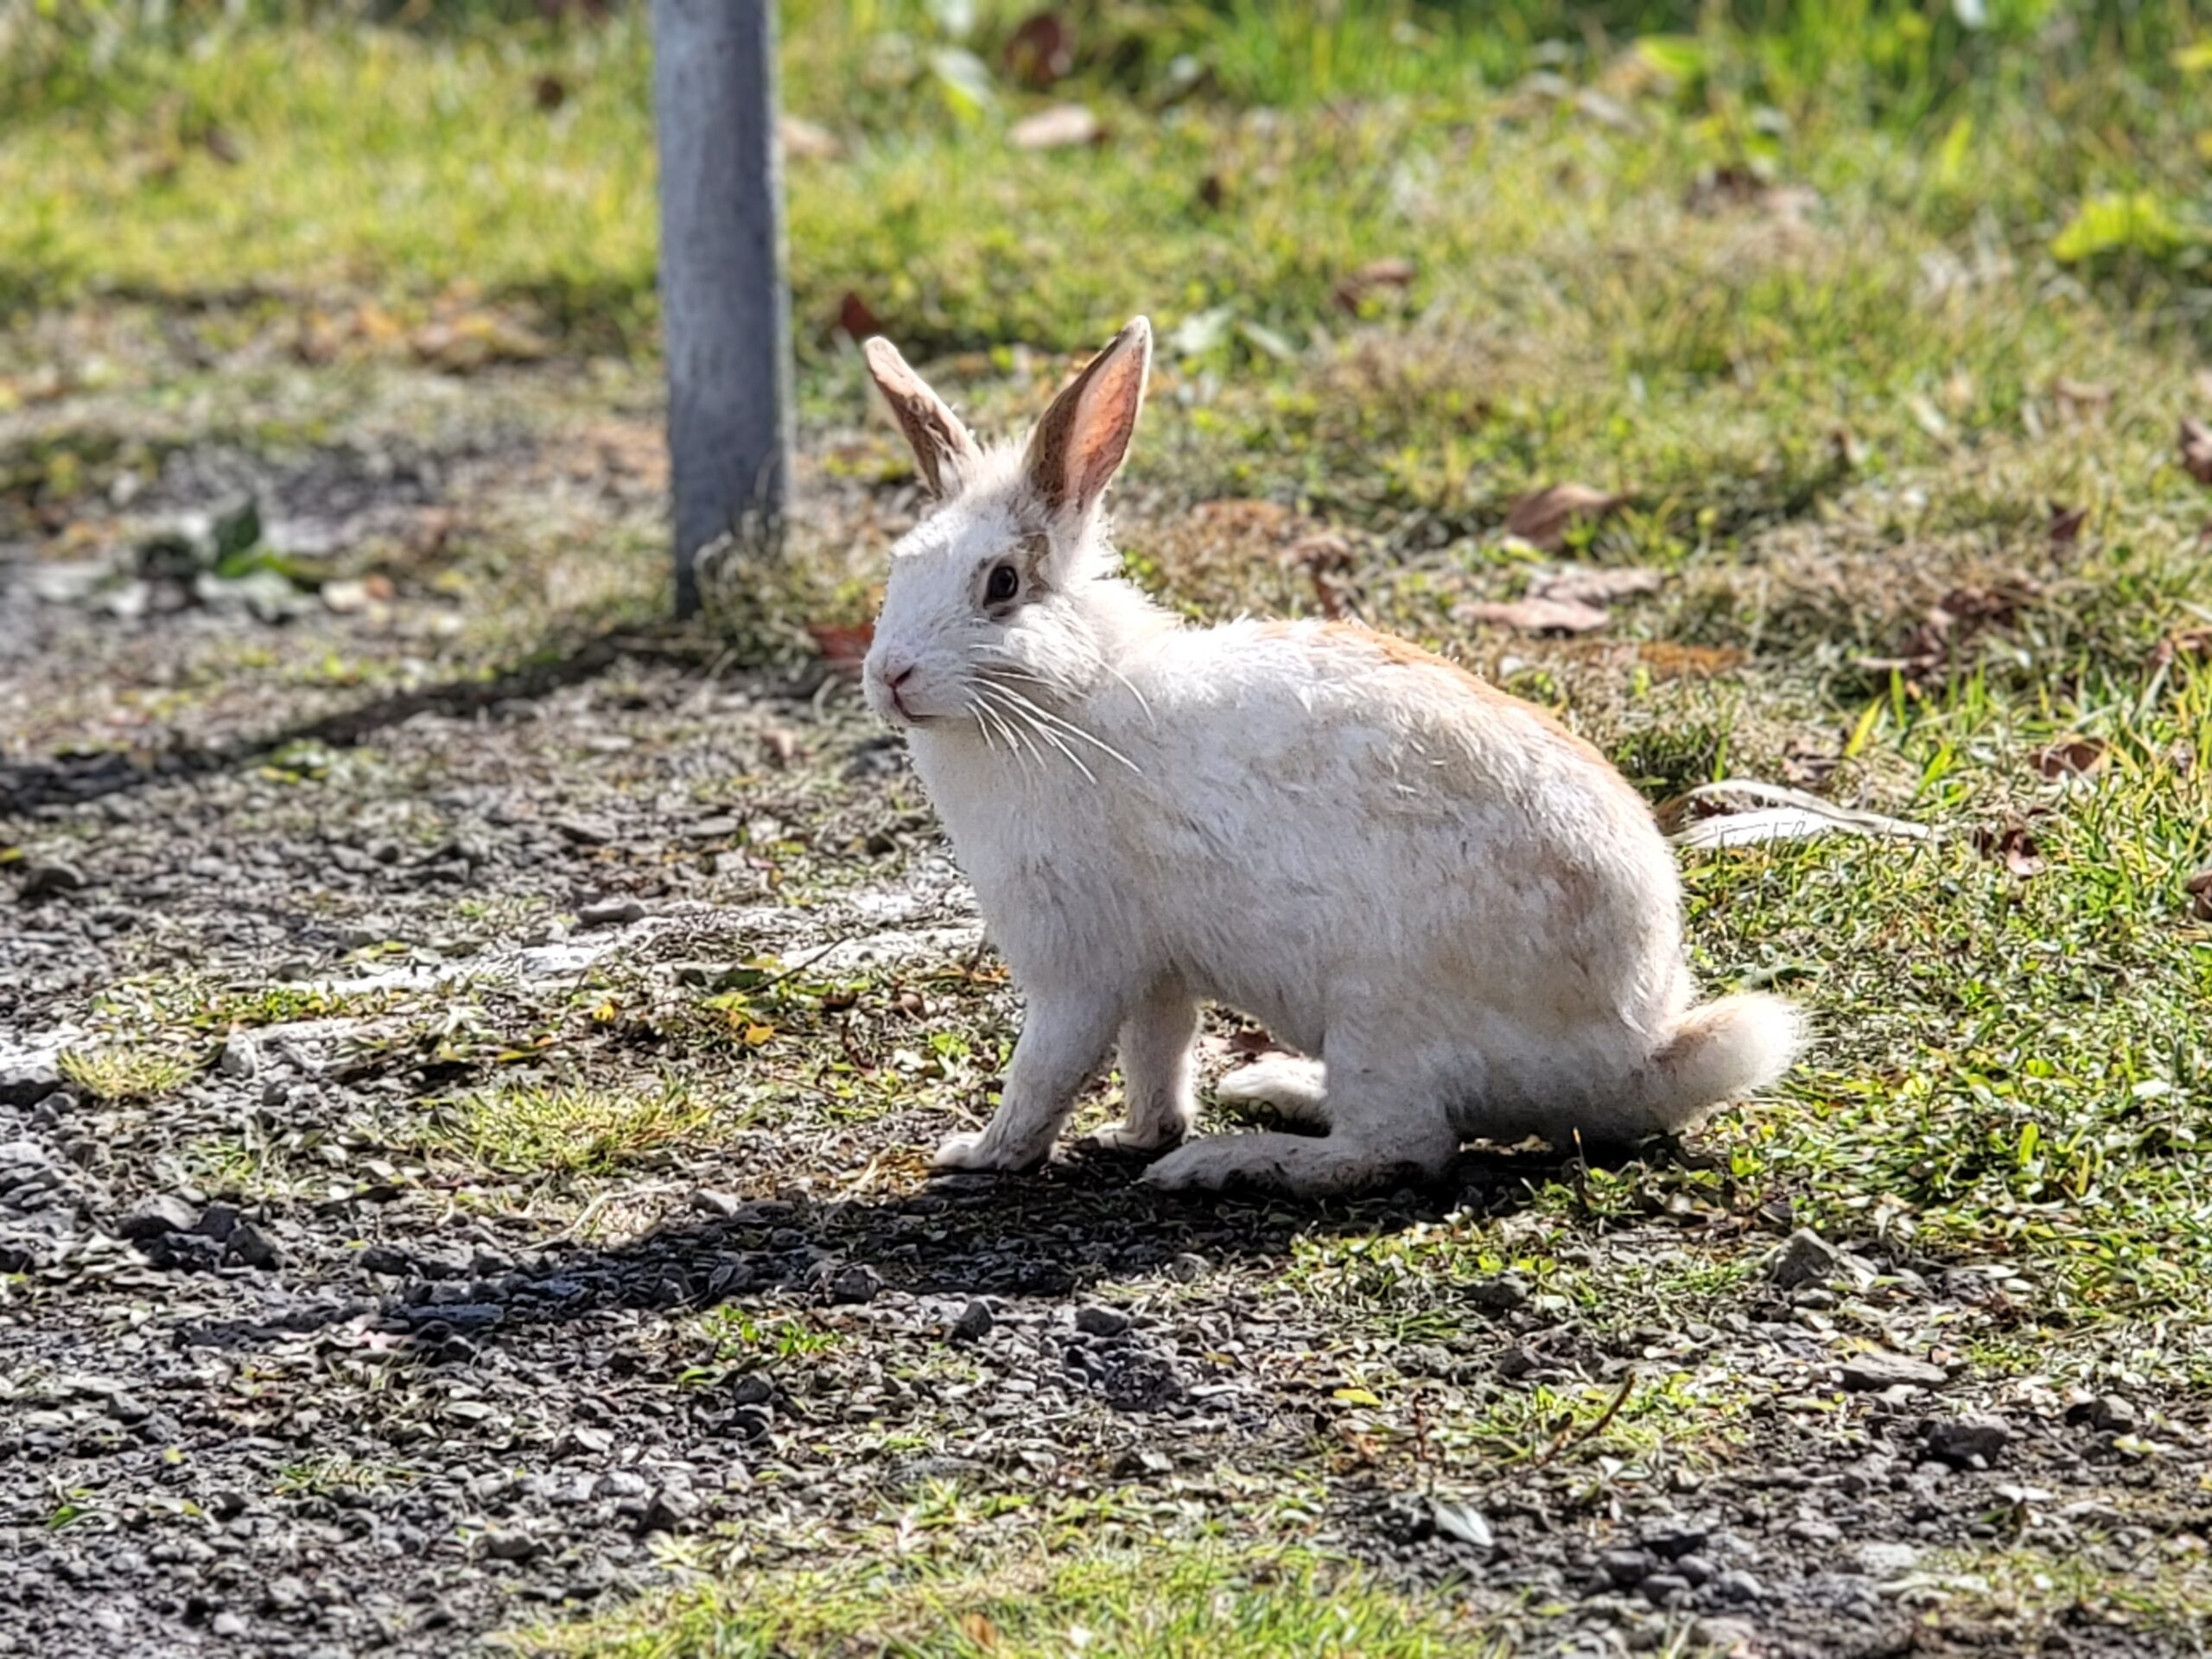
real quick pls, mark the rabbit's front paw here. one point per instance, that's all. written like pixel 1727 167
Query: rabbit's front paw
pixel 1127 1137
pixel 973 1150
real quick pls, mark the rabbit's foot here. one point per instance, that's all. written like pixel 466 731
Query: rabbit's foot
pixel 978 1150
pixel 1126 1137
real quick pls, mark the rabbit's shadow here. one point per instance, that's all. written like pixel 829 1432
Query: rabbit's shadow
pixel 1080 1222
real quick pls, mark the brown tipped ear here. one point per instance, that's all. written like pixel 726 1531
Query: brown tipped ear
pixel 943 449
pixel 1078 446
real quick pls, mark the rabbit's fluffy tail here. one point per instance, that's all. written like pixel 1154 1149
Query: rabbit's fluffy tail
pixel 1717 1052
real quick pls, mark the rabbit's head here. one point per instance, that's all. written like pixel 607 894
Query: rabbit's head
pixel 1007 588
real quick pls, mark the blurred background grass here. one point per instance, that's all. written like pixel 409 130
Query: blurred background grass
pixel 1253 148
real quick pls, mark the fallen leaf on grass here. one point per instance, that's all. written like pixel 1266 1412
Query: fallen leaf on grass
pixel 808 141
pixel 1545 517
pixel 473 340
pixel 549 93
pixel 1372 280
pixel 1960 615
pixel 1535 616
pixel 2199 888
pixel 843 646
pixel 2066 524
pixel 2070 757
pixel 2196 450
pixel 1065 126
pixel 856 318
pixel 2077 397
pixel 2015 844
pixel 1212 192
pixel 1040 51
pixel 1595 585
pixel 1786 815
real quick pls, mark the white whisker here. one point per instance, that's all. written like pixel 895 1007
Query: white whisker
pixel 1027 717
pixel 1067 726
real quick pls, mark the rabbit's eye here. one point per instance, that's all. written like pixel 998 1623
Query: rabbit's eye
pixel 1004 583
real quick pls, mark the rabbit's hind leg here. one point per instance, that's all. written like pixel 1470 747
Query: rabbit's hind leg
pixel 1289 1085
pixel 1381 1128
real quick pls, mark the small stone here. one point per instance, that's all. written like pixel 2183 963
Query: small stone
pixel 1872 1372
pixel 2108 1414
pixel 1804 1259
pixel 724 1205
pixel 752 1389
pixel 610 912
pixel 975 1322
pixel 855 1284
pixel 1970 1442
pixel 227 1624
pixel 1661 1588
pixel 240 1059
pixel 385 1259
pixel 1187 1269
pixel 1500 1294
pixel 1696 1568
pixel 670 1508
pixel 1097 1321
pixel 1463 1522
pixel 1738 1587
pixel 1626 1567
pixel 218 1222
pixel 250 1247
pixel 41 877
pixel 1879 1560
pixel 508 1546
pixel 583 1439
pixel 166 1214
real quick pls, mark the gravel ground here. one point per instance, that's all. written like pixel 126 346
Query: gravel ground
pixel 290 1366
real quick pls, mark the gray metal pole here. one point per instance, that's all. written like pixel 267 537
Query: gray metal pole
pixel 725 309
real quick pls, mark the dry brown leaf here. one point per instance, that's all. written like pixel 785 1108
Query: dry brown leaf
pixel 1962 613
pixel 222 146
pixel 1545 517
pixel 549 92
pixel 2196 450
pixel 1535 616
pixel 2079 397
pixel 1594 584
pixel 2066 524
pixel 808 141
pixel 1372 280
pixel 1212 192
pixel 855 317
pixel 979 1629
pixel 1323 550
pixel 1668 661
pixel 2015 844
pixel 2070 757
pixel 2199 888
pixel 1040 51
pixel 1065 126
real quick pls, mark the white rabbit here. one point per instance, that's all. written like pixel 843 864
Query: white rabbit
pixel 1458 909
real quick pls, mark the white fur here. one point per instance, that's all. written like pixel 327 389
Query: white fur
pixel 1463 913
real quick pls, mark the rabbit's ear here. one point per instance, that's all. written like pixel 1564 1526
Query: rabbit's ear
pixel 1078 445
pixel 943 449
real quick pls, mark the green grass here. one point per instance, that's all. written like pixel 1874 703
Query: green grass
pixel 127 1070
pixel 1191 1602
pixel 525 1127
